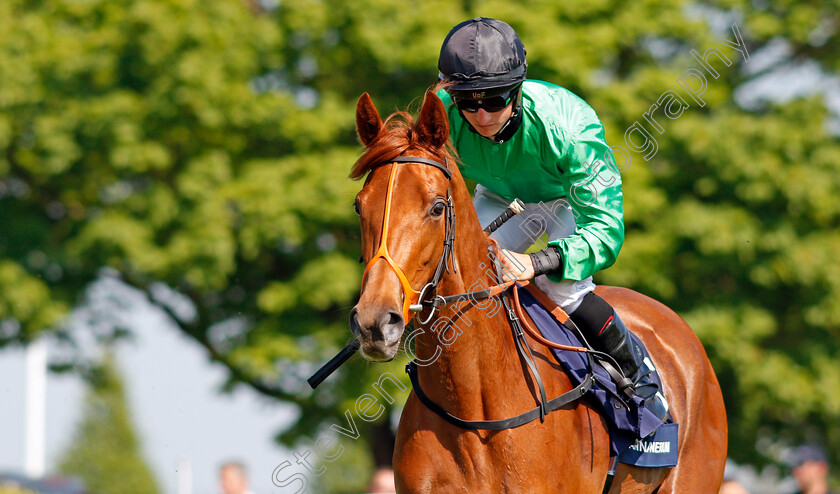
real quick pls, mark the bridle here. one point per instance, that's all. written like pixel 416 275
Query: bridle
pixel 413 300
pixel 427 297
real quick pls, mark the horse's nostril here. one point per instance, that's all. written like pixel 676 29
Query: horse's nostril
pixel 392 326
pixel 354 322
pixel 395 319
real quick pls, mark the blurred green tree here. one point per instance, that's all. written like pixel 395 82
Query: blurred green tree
pixel 105 453
pixel 200 149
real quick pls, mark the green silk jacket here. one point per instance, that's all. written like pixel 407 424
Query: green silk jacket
pixel 559 151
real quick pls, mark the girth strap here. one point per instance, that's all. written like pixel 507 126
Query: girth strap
pixel 498 425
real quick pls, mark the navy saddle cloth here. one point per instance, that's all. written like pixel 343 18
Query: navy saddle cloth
pixel 629 421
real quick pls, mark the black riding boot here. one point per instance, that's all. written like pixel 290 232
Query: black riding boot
pixel 607 333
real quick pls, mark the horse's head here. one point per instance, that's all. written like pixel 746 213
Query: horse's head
pixel 405 210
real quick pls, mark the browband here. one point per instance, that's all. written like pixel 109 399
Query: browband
pixel 409 159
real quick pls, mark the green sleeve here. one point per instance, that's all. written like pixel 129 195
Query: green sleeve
pixel 594 193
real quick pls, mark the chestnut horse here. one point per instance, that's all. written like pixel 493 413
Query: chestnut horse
pixel 477 373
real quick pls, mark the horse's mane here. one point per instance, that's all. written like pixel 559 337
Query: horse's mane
pixel 396 135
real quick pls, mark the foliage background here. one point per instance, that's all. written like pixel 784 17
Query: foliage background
pixel 199 151
pixel 106 454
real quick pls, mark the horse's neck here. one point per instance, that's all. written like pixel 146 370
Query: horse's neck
pixel 470 341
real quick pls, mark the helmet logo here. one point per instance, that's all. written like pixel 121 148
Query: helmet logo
pixel 477 95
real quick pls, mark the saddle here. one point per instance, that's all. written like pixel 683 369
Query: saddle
pixel 637 436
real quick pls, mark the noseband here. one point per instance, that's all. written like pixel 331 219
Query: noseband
pixel 413 300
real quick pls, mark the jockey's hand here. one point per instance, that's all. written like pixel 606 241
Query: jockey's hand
pixel 516 266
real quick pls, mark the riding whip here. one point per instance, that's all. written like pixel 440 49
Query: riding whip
pixel 334 363
pixel 515 208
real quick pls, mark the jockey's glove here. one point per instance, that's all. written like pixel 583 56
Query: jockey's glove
pixel 548 260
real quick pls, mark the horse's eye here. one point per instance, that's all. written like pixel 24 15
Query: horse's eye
pixel 438 208
pixel 356 207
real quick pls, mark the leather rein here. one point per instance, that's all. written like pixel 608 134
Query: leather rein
pixel 428 298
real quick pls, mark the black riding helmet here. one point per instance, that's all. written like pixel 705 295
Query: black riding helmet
pixel 484 56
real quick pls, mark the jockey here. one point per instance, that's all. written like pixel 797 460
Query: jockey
pixel 541 143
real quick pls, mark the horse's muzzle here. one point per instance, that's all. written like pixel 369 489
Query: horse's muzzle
pixel 379 332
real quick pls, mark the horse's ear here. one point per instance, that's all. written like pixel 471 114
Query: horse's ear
pixel 368 123
pixel 433 125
